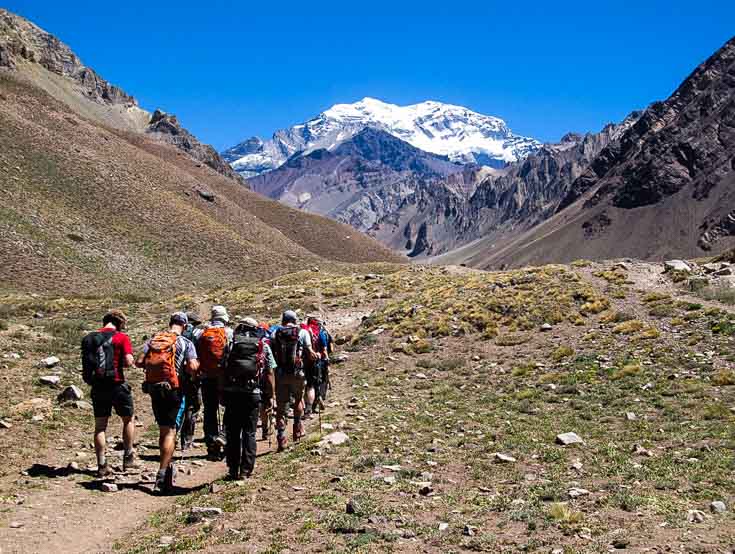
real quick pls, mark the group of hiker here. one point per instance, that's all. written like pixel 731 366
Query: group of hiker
pixel 249 370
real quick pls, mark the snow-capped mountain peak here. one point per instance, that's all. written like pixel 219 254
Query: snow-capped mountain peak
pixel 457 132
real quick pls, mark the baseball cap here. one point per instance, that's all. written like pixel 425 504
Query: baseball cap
pixel 179 318
pixel 194 318
pixel 249 322
pixel 289 316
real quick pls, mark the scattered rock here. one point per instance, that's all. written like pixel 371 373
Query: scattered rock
pixel 469 530
pixel 717 507
pixel 16 524
pixel 38 417
pixel 51 361
pixel 50 380
pixel 11 356
pixel 630 416
pixel 79 405
pixel 576 493
pixel 4 424
pixel 504 458
pixel 724 271
pixel 677 265
pixel 337 438
pixel 546 327
pixel 73 466
pixel 38 315
pixel 70 393
pixel 198 513
pixel 109 487
pixel 695 516
pixel 443 526
pixel 640 451
pixel 567 439
pixel 426 490
pixel 378 331
pixel 208 196
pixel 339 359
pixel 166 540
pixel 420 376
pixel 32 405
pixel 352 506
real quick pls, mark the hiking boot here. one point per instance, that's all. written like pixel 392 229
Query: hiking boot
pixel 104 471
pixel 245 473
pixel 282 442
pixel 166 479
pixel 130 461
pixel 160 485
pixel 233 475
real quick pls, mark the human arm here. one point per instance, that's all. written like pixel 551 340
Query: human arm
pixel 140 361
pixel 127 350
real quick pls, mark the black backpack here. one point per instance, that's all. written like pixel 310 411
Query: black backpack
pixel 242 364
pixel 98 358
pixel 285 346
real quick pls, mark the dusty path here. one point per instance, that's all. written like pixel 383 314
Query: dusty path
pixel 56 509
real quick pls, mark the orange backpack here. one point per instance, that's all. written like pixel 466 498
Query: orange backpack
pixel 211 350
pixel 160 361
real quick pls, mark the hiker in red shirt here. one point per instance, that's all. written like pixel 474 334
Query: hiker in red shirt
pixel 105 355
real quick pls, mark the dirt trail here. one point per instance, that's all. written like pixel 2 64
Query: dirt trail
pixel 62 510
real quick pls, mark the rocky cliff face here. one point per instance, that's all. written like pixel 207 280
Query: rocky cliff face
pixel 167 127
pixel 24 45
pixel 23 42
pixel 684 144
pixel 361 181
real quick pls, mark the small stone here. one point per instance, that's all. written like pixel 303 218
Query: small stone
pixel 717 507
pixel 109 487
pixel 640 451
pixel 469 531
pixel 576 493
pixel 38 417
pixel 420 376
pixel 677 265
pixel 695 516
pixel 51 361
pixel 12 356
pixel 4 424
pixel 339 359
pixel 70 393
pixel 630 416
pixel 577 466
pixel 504 458
pixel 73 466
pixel 546 327
pixel 352 506
pixel 443 526
pixel 476 358
pixel 198 513
pixel 166 540
pixel 426 490
pixel 337 438
pixel 389 480
pixel 394 467
pixel 79 405
pixel 50 380
pixel 16 524
pixel 567 439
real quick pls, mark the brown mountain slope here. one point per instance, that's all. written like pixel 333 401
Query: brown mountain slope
pixel 665 189
pixel 90 209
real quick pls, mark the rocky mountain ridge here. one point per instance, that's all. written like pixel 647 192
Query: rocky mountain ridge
pixel 24 45
pixel 463 136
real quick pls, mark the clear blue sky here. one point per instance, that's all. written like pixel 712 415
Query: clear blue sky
pixel 231 70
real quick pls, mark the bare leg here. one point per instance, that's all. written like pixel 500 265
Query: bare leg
pixel 167 443
pixel 100 441
pixel 128 434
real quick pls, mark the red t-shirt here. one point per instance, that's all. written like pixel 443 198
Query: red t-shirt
pixel 122 345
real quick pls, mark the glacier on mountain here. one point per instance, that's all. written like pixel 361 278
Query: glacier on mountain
pixel 460 134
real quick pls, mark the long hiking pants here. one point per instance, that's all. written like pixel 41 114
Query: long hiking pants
pixel 241 422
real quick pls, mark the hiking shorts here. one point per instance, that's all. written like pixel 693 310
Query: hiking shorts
pixel 287 386
pixel 168 406
pixel 117 395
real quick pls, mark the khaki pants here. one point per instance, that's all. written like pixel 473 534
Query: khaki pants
pixel 287 386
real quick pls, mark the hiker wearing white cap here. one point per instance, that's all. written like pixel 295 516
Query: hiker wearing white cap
pixel 213 344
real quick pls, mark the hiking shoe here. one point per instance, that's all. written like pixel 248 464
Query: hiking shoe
pixel 282 442
pixel 104 471
pixel 130 461
pixel 245 473
pixel 160 485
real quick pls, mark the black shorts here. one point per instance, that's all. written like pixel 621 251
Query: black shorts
pixel 168 406
pixel 118 396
